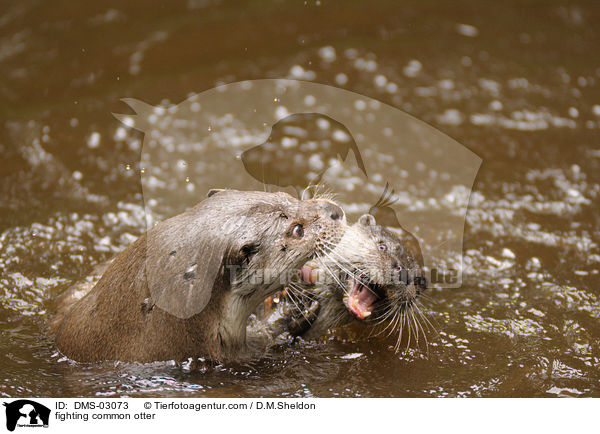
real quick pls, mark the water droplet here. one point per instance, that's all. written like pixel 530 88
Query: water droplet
pixel 94 140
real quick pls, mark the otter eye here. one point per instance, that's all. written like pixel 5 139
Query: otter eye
pixel 382 246
pixel 298 231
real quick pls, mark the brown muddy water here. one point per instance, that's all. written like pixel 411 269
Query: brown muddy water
pixel 517 83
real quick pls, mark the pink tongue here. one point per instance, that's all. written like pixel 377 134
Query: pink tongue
pixel 361 301
pixel 308 274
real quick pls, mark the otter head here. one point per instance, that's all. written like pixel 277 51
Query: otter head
pixel 384 276
pixel 370 276
pixel 276 236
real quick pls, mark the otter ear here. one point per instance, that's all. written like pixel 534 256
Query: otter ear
pixel 185 260
pixel 214 191
pixel 367 220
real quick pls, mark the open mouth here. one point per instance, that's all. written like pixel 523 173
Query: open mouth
pixel 362 298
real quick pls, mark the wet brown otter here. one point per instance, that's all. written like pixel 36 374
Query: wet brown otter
pixel 247 232
pixel 371 276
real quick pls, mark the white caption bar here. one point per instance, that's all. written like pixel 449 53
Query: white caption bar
pixel 284 416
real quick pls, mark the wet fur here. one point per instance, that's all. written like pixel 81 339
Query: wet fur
pixel 120 320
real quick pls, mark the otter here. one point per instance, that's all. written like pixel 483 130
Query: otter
pixel 371 276
pixel 209 255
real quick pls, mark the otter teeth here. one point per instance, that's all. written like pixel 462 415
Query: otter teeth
pixel 309 275
pixel 361 300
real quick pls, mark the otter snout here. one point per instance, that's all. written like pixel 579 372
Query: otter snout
pixel 333 211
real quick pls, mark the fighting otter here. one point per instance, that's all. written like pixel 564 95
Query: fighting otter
pixel 212 257
pixel 371 275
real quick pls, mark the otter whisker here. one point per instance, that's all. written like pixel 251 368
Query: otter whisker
pixel 398 341
pixel 336 262
pixel 427 297
pixel 422 329
pixel 292 299
pixel 398 323
pixel 393 323
pixel 429 323
pixel 388 312
pixel 408 326
pixel 332 274
pixel 385 317
pixel 412 316
pixel 327 194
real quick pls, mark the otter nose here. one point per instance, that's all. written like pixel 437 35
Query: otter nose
pixel 333 211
